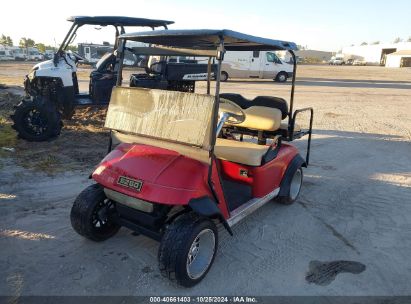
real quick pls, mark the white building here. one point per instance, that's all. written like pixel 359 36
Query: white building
pixel 399 59
pixel 375 53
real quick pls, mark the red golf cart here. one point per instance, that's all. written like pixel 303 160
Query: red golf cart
pixel 181 163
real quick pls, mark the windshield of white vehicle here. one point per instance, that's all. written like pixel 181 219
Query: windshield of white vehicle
pixel 166 115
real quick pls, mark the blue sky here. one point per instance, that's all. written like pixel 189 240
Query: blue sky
pixel 323 25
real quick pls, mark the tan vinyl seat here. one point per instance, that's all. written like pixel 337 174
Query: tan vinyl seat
pixel 256 118
pixel 240 151
pixel 261 118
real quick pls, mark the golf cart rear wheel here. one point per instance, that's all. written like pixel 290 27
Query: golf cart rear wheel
pixel 36 120
pixel 281 77
pixel 90 214
pixel 188 249
pixel 294 188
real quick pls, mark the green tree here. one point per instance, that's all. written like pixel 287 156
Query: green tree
pixel 2 39
pixel 6 40
pixel 26 42
pixel 409 39
pixel 9 41
pixel 397 40
pixel 41 47
pixel 364 43
pixel 376 42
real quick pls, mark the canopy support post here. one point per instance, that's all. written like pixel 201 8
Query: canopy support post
pixel 119 61
pixel 208 75
pixel 214 119
pixel 290 113
pixel 62 45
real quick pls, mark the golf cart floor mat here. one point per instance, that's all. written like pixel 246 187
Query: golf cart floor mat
pixel 236 194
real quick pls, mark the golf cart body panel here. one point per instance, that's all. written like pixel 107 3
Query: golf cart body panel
pixel 156 169
pixel 257 176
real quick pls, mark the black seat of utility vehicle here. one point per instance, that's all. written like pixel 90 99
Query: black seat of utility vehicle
pixel 260 101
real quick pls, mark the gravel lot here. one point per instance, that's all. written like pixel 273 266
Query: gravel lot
pixel 349 233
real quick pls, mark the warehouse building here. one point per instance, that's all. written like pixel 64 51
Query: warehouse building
pixel 376 53
pixel 399 59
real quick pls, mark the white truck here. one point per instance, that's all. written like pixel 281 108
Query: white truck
pixel 338 59
pixel 255 64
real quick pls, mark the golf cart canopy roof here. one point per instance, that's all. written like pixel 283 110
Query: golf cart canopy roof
pixel 118 21
pixel 209 40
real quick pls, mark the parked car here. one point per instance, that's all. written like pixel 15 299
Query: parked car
pixel 359 62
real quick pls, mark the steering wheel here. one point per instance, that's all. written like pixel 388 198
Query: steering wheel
pixel 234 112
pixel 77 56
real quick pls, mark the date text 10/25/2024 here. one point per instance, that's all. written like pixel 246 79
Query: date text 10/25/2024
pixel 206 299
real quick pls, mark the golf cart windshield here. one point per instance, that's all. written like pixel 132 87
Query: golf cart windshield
pixel 165 115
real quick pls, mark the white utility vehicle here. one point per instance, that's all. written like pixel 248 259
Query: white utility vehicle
pixel 51 87
pixel 255 64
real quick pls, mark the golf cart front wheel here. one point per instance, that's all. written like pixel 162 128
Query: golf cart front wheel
pixel 90 214
pixel 294 188
pixel 188 249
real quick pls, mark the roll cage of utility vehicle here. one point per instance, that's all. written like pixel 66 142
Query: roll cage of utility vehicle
pixel 52 89
pixel 178 164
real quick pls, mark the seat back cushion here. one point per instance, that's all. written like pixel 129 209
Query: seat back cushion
pixel 261 118
pixel 261 101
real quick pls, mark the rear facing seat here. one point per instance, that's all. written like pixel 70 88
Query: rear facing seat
pixel 260 101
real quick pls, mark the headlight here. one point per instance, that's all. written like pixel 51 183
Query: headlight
pixel 32 73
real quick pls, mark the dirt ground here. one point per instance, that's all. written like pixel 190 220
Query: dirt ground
pixel 348 234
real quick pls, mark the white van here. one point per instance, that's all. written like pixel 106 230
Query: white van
pixel 257 64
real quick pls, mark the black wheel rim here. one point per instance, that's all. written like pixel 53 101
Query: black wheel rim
pixel 35 122
pixel 100 218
